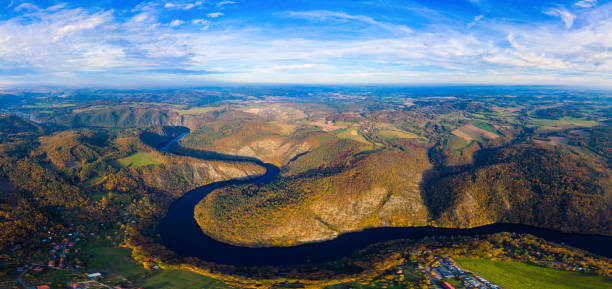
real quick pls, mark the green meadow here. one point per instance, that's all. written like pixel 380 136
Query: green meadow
pixel 485 126
pixel 138 159
pixel 455 143
pixel 550 124
pixel 517 275
pixel 352 133
pixel 175 279
pixel 393 134
pixel 116 261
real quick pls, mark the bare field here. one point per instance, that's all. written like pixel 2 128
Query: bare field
pixel 470 132
pixel 554 140
pixel 327 126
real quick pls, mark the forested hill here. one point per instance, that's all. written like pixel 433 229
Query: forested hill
pixel 537 185
pixel 11 124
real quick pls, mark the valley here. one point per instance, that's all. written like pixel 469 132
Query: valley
pixel 259 190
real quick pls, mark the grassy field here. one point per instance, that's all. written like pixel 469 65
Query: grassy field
pixel 484 125
pixel 49 105
pixel 198 110
pixel 550 124
pixel 392 134
pixel 172 279
pixel 114 260
pixel 284 128
pixel 516 275
pixel 362 286
pixel 455 143
pixel 351 133
pixel 138 159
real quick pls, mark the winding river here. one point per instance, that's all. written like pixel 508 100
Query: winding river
pixel 180 231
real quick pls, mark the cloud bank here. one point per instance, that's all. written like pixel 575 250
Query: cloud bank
pixel 72 45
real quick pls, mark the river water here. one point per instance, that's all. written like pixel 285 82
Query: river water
pixel 181 233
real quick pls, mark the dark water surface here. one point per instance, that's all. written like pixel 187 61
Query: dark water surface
pixel 180 233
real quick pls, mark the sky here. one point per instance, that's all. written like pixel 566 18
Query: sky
pixel 181 43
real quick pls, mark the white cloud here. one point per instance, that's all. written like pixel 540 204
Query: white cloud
pixel 176 23
pixel 200 21
pixel 326 15
pixel 567 17
pixel 476 20
pixel 66 44
pixel 225 2
pixel 586 3
pixel 183 5
pixel 214 14
pixel 26 6
pixel 56 7
pixel 205 23
pixel 87 22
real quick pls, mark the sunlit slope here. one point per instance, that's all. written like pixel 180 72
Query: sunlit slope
pixel 368 190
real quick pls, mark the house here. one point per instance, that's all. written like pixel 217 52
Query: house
pixel 43 287
pixel 38 269
pixel 445 285
pixel 73 285
pixel 94 275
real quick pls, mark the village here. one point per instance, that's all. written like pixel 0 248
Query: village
pixel 443 271
pixel 63 264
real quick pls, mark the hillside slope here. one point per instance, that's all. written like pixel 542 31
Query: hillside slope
pixel 375 189
pixel 536 185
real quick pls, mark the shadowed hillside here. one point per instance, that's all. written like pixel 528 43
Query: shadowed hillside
pixel 536 185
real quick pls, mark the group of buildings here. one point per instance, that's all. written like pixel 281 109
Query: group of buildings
pixel 444 269
pixel 61 246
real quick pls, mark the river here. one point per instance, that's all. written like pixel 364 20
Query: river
pixel 181 233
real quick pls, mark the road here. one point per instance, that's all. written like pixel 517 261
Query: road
pixel 433 281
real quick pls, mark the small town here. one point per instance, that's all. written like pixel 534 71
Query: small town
pixel 63 248
pixel 443 271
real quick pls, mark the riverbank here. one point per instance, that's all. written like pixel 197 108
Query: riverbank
pixel 181 233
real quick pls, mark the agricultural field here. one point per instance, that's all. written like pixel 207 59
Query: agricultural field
pixel 284 128
pixel 116 261
pixel 454 143
pixel 485 126
pixel 279 111
pixel 362 286
pixel 175 279
pixel 330 126
pixel 44 105
pixel 197 110
pixel 561 123
pixel 352 133
pixel 388 134
pixel 139 159
pixel 387 131
pixel 516 275
pixel 476 131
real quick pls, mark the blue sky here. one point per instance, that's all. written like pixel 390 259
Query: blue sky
pixel 190 42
